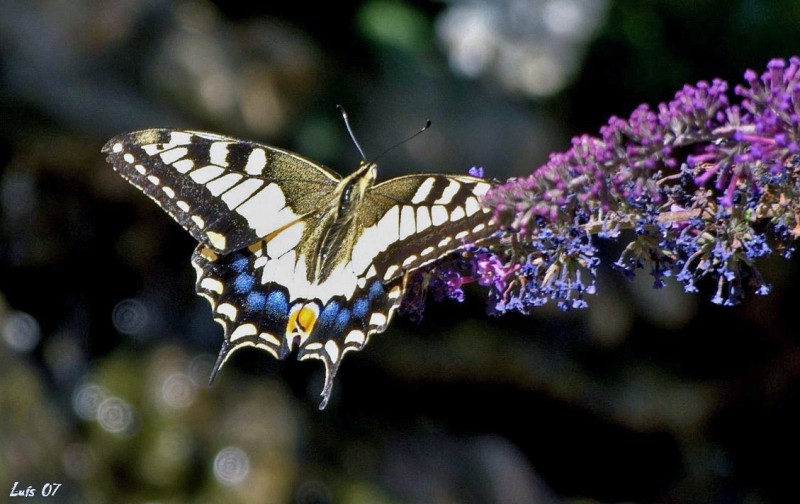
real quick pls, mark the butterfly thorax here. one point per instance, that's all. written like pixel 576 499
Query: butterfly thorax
pixel 334 234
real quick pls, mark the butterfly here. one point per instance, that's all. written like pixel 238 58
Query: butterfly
pixel 291 255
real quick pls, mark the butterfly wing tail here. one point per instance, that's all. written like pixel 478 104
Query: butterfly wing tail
pixel 251 314
pixel 221 358
pixel 346 325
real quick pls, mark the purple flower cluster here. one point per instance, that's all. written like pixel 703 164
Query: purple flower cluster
pixel 698 187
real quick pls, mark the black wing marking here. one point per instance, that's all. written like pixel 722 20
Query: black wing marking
pixel 227 193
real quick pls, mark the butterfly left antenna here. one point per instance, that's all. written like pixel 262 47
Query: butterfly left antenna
pixel 350 131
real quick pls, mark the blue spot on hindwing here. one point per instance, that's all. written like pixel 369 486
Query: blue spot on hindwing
pixel 240 264
pixel 342 318
pixel 256 301
pixel 277 302
pixel 275 309
pixel 375 290
pixel 244 283
pixel 327 317
pixel 360 307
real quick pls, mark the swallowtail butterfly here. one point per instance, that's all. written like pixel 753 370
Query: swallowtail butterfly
pixel 291 254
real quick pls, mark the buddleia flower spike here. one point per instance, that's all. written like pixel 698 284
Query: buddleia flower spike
pixel 698 187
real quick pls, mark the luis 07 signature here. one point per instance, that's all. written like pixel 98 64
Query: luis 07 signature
pixel 47 490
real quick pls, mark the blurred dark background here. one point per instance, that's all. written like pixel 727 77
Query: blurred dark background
pixel 648 396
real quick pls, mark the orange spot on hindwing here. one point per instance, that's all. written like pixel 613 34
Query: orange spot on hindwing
pixel 302 318
pixel 306 318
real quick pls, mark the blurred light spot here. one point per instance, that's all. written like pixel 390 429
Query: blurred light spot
pixel 396 24
pixel 313 492
pixel 178 391
pixel 78 460
pixel 196 17
pixel 535 73
pixel 532 47
pixel 567 18
pixel 200 369
pixel 260 99
pixel 130 317
pixel 231 465
pixel 115 415
pixel 469 34
pixel 86 400
pixel 199 71
pixel 21 331
pixel 218 92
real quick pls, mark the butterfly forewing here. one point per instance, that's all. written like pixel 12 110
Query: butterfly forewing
pixel 227 193
pixel 414 220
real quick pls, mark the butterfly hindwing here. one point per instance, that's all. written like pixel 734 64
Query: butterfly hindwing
pixel 227 193
pixel 262 313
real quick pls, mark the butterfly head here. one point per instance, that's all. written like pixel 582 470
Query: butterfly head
pixel 367 172
pixel 353 188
